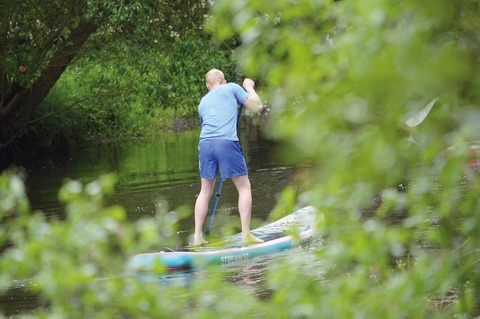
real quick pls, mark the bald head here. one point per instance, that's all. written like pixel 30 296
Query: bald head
pixel 214 78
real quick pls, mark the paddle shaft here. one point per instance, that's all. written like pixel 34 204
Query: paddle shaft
pixel 220 184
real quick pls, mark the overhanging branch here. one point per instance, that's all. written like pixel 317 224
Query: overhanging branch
pixel 10 106
pixel 62 109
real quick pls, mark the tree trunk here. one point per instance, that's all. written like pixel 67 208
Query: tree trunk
pixel 17 111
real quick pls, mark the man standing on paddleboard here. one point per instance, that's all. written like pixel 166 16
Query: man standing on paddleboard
pixel 219 148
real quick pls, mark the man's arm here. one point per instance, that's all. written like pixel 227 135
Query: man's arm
pixel 253 102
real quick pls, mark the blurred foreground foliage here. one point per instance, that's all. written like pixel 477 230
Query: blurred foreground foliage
pixel 78 267
pixel 402 214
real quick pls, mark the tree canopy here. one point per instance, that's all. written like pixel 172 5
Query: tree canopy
pixel 40 40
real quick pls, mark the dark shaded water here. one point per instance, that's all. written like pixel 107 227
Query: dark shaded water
pixel 164 168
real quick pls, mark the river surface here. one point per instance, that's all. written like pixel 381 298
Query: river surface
pixel 163 168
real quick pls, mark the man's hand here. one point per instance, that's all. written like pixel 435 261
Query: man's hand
pixel 253 102
pixel 265 111
pixel 248 84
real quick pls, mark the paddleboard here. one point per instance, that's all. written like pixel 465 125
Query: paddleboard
pixel 296 229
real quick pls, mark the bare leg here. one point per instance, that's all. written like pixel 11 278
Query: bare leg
pixel 242 183
pixel 201 208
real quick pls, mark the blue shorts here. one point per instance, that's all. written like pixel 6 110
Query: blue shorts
pixel 221 155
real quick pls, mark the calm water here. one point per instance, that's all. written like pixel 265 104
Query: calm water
pixel 164 168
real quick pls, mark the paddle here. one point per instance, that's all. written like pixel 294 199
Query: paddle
pixel 220 183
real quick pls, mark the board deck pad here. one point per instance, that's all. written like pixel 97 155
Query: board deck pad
pixel 295 229
pixel 299 219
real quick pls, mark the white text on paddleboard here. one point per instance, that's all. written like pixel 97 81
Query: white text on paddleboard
pixel 234 259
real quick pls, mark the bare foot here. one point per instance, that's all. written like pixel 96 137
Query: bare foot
pixel 197 242
pixel 250 239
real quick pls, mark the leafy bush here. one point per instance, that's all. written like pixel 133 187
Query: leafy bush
pixel 77 267
pixel 343 78
pixel 133 88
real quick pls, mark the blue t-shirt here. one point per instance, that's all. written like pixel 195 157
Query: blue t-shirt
pixel 218 111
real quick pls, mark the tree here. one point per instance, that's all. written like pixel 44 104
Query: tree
pixel 40 40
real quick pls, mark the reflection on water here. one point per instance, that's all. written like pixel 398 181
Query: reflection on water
pixel 145 169
pixel 164 168
pixel 20 297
